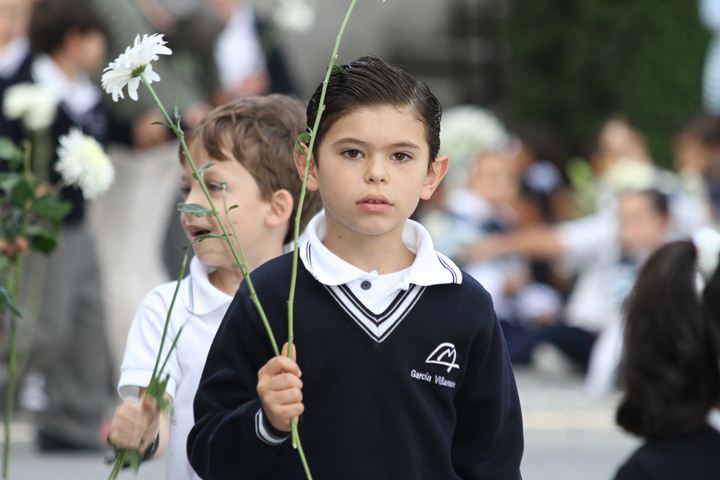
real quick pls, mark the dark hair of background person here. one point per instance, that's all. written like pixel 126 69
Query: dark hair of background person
pixel 670 369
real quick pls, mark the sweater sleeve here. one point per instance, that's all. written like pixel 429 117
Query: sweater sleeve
pixel 230 438
pixel 488 441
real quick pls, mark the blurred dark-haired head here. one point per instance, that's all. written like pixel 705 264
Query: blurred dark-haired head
pixel 54 24
pixel 670 367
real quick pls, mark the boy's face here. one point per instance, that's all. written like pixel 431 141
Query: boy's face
pixel 89 48
pixel 13 19
pixel 248 220
pixel 372 170
pixel 495 178
pixel 642 227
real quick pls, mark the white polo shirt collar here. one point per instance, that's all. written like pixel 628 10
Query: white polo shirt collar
pixel 429 268
pixel 203 298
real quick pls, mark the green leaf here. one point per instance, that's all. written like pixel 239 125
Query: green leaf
pixel 134 459
pixel 8 150
pixel 194 209
pixel 21 192
pixel 232 207
pixel 337 69
pixel 157 122
pixel 201 170
pixel 41 239
pixel 6 302
pixel 302 142
pixel 8 182
pixel 51 207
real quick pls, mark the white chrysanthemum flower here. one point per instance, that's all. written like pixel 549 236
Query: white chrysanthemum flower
pixel 133 65
pixel 707 242
pixel 82 162
pixel 466 132
pixel 629 174
pixel 295 15
pixel 30 103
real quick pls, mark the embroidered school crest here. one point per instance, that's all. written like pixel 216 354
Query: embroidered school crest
pixel 445 355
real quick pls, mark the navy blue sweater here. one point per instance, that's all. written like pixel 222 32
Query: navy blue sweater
pixel 435 398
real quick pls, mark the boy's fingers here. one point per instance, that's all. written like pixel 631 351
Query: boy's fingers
pixel 278 365
pixel 284 351
pixel 286 397
pixel 282 381
pixel 149 403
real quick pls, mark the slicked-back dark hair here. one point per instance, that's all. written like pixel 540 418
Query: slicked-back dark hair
pixel 52 20
pixel 371 81
pixel 670 367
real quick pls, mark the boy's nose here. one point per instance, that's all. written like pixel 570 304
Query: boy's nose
pixel 376 170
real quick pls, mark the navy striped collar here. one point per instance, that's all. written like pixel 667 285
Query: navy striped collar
pixel 429 268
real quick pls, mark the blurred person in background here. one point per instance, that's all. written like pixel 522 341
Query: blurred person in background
pixel 590 245
pixel 14 45
pixel 69 345
pixel 697 158
pixel 670 371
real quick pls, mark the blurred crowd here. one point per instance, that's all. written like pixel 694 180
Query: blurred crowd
pixel 558 244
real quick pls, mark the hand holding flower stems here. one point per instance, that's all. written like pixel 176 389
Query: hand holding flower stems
pixel 157 386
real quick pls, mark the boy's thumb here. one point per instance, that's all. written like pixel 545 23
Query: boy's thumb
pixel 284 351
pixel 149 403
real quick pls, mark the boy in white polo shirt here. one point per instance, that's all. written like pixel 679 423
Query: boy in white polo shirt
pixel 250 142
pixel 405 373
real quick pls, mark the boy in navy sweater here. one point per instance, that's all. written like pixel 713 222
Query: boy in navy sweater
pixel 405 373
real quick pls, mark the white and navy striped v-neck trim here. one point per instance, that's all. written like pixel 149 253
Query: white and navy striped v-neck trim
pixel 377 326
pixel 377 311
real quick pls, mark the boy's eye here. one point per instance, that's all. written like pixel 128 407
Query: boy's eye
pixel 352 153
pixel 184 190
pixel 400 156
pixel 215 187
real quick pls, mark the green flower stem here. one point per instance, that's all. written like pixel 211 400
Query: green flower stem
pixel 13 287
pixel 155 381
pixel 238 255
pixel 298 213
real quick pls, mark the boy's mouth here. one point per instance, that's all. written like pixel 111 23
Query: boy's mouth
pixel 194 232
pixel 374 203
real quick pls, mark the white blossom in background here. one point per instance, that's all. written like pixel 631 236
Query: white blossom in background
pixel 83 162
pixel 295 15
pixel 466 132
pixel 707 242
pixel 134 65
pixel 32 104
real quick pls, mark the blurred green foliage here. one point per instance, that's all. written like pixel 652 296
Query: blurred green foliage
pixel 575 62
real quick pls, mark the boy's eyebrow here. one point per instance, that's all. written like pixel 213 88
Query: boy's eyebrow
pixel 404 144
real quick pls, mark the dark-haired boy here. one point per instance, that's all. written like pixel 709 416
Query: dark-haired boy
pixel 405 373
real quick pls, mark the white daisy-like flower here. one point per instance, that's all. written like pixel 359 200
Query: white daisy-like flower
pixel 295 15
pixel 32 104
pixel 82 162
pixel 707 242
pixel 134 65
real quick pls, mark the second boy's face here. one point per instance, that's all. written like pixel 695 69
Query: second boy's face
pixel 248 220
pixel 373 170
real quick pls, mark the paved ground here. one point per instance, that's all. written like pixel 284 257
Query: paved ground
pixel 569 435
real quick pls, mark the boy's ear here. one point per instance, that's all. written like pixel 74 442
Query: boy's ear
pixel 312 182
pixel 435 174
pixel 281 207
